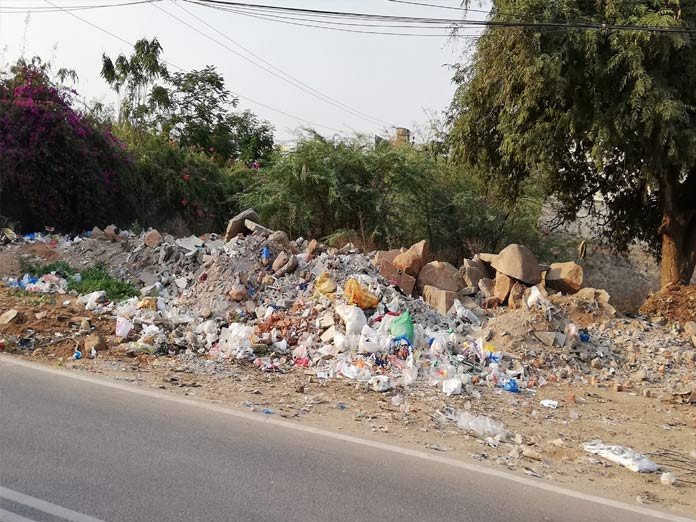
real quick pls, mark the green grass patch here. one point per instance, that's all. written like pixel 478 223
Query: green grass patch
pixel 92 279
pixel 97 278
pixel 61 268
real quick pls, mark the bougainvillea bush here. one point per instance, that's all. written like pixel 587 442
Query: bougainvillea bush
pixel 58 167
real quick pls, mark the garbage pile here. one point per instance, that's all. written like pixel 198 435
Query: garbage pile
pixel 390 319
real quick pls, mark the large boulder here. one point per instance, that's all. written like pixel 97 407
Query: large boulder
pixel 236 224
pixel 487 287
pixel 401 279
pixel 410 262
pixel 387 255
pixel 439 299
pixel 413 259
pixel 518 262
pixel 440 275
pixel 503 286
pixel 565 277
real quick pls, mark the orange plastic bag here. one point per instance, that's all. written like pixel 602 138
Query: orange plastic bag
pixel 358 295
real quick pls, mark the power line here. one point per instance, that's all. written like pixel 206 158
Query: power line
pixel 293 81
pixel 42 9
pixel 280 111
pixel 451 21
pixel 287 20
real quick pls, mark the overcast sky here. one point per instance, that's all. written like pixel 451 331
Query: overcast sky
pixel 392 78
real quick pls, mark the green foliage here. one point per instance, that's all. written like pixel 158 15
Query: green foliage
pixel 97 278
pixel 385 196
pixel 169 182
pixel 91 279
pixel 585 112
pixel 61 268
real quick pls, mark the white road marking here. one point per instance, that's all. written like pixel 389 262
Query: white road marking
pixel 40 505
pixel 255 417
pixel 7 516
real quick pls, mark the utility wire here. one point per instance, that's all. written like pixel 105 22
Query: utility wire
pixel 287 20
pixel 9 9
pixel 280 111
pixel 292 81
pixel 451 21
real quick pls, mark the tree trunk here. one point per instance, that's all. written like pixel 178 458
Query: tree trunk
pixel 678 249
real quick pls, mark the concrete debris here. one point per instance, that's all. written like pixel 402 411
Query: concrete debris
pixel 237 225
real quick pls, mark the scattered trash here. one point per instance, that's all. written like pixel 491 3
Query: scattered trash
pixel 624 456
pixel 548 403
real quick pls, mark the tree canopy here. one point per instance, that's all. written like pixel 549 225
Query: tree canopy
pixel 590 112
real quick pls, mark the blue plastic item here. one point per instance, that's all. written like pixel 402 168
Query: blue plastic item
pixel 511 386
pixel 265 255
pixel 584 336
pixel 266 411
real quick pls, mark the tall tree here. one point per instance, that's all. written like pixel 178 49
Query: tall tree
pixel 135 78
pixel 583 112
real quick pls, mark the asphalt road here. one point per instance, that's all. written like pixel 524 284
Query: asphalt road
pixel 81 451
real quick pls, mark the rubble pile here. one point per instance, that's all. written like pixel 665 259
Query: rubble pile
pixel 392 319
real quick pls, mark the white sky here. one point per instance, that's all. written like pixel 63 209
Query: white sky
pixel 392 78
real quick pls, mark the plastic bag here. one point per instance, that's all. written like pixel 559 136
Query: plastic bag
pixel 402 327
pixel 622 455
pixel 353 317
pixel 369 341
pixel 481 425
pixel 123 327
pixel 358 295
pixel 452 386
pixel 342 343
pixel 324 285
pixel 380 383
pixel 351 371
pixel 235 341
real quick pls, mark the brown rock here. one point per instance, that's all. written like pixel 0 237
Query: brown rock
pixel 280 261
pixel 9 316
pixel 404 281
pixel 439 299
pixel 94 341
pixel 410 262
pixel 690 328
pixel 312 248
pixel 289 267
pixel 565 277
pixel 153 238
pixel 280 238
pixel 236 224
pixel 472 275
pixel 503 286
pixel 518 262
pixel 488 258
pixel 440 275
pixel 387 255
pixel 516 298
pixel 487 287
pixel 111 232
pixel 238 293
pixel 422 250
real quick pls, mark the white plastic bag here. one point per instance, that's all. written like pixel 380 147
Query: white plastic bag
pixel 369 341
pixel 123 327
pixel 452 386
pixel 235 341
pixel 353 317
pixel 380 383
pixel 622 455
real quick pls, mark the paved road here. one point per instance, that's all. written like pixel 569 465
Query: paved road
pixel 75 450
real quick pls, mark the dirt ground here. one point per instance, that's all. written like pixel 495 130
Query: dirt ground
pixel 542 442
pixel 675 303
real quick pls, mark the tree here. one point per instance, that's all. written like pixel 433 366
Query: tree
pixel 138 75
pixel 196 112
pixel 587 112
